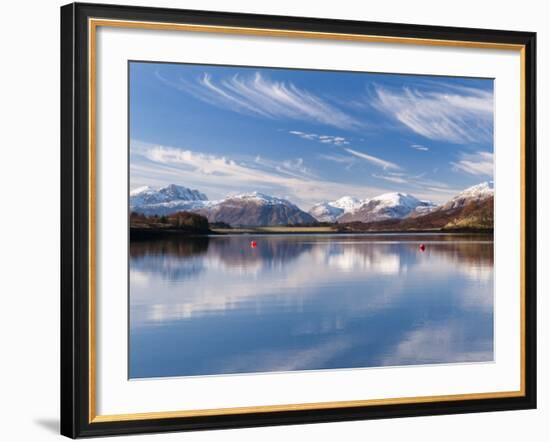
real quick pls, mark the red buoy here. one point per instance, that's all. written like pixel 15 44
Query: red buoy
pixel 253 244
pixel 422 247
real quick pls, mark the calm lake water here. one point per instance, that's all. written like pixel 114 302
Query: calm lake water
pixel 216 305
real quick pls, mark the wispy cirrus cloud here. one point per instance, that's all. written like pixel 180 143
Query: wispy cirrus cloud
pixel 457 115
pixel 392 178
pixel 343 159
pixel 479 163
pixel 346 161
pixel 374 160
pixel 262 97
pixel 419 147
pixel 419 184
pixel 293 167
pixel 325 139
pixel 288 178
pixel 213 165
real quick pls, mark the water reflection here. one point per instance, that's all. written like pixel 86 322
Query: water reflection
pixel 215 305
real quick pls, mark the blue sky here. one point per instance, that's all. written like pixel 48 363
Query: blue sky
pixel 308 136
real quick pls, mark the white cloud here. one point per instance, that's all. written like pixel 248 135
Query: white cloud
pixel 219 176
pixel 263 97
pixel 293 167
pixel 479 163
pixel 374 160
pixel 344 160
pixel 325 139
pixel 419 186
pixel 419 147
pixel 337 158
pixel 391 179
pixel 297 164
pixel 459 115
pixel 224 167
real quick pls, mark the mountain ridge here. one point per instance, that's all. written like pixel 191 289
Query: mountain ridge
pixel 471 209
pixel 387 206
pixel 246 209
pixel 260 209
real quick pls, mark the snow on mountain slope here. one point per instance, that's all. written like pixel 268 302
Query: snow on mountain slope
pixel 257 198
pixel 347 203
pixel 247 209
pixel 169 194
pixel 478 192
pixel 331 211
pixel 259 209
pixel 325 212
pixel 255 209
pixel 424 208
pixel 388 206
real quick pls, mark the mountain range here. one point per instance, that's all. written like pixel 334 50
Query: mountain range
pixel 247 209
pixel 166 200
pixel 472 208
pixel 255 209
pixel 258 209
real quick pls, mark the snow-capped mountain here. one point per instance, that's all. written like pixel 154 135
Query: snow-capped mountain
pixel 471 209
pixel 165 200
pixel 395 205
pixel 248 209
pixel 257 198
pixel 258 209
pixel 326 212
pixel 347 203
pixel 478 192
pixel 255 209
pixel 331 211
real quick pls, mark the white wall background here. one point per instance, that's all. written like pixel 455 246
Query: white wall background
pixel 29 220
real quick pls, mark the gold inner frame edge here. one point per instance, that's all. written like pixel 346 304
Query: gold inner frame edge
pixel 93 24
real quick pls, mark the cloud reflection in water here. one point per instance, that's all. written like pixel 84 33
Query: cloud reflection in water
pixel 214 305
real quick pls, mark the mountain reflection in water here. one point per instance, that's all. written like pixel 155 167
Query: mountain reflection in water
pixel 215 305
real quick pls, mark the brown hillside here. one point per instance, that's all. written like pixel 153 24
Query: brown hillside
pixel 474 215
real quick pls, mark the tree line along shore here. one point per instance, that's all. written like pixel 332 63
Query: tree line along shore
pixel 189 223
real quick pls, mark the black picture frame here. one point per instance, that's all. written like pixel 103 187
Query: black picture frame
pixel 75 221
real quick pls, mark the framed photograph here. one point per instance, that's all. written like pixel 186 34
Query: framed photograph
pixel 274 220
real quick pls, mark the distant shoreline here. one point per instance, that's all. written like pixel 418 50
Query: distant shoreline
pixel 137 233
pixel 151 233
